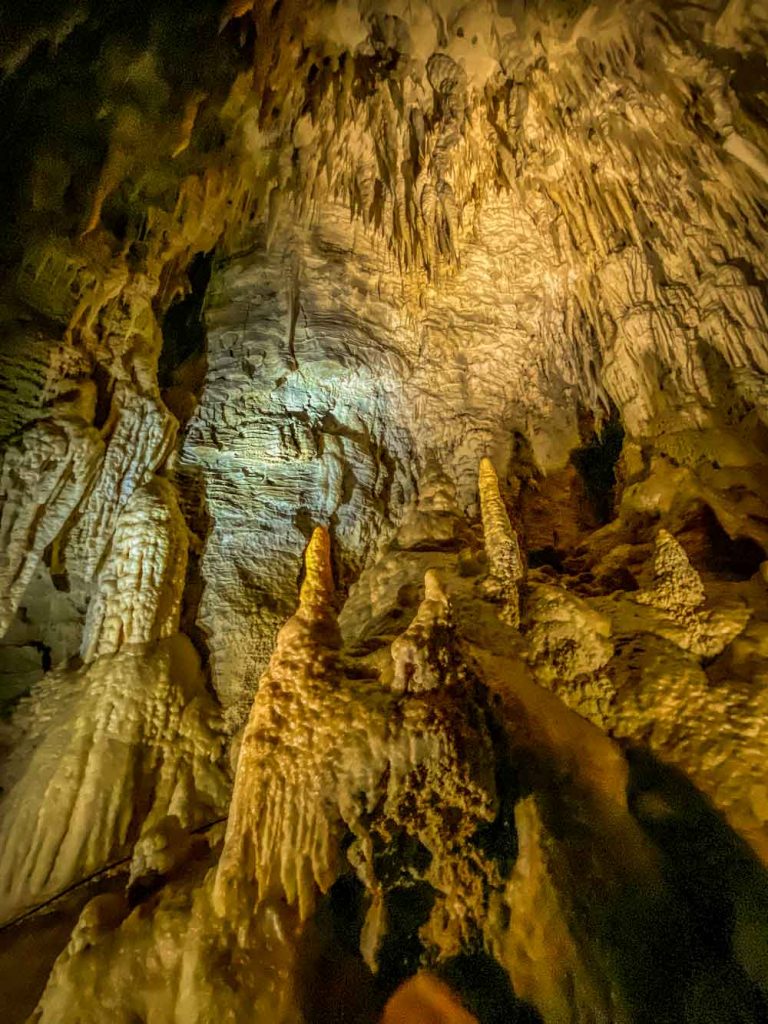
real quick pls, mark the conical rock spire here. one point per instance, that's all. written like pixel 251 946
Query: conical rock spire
pixel 422 656
pixel 317 589
pixel 677 587
pixel 501 543
pixel 282 840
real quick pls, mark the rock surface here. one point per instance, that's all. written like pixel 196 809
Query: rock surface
pixel 467 302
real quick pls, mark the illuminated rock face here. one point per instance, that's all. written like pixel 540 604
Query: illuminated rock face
pixel 465 306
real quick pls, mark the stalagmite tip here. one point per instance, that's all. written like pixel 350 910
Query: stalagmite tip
pixel 317 588
pixel 496 524
pixel 433 587
pixel 487 476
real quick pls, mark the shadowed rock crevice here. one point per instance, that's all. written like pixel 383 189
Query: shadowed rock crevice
pixel 596 463
pixel 184 334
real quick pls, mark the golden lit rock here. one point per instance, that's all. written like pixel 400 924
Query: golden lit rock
pixel 501 544
pixel 384 512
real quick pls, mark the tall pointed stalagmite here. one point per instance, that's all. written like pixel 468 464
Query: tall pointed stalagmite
pixel 281 837
pixel 501 543
pixel 422 655
pixel 317 588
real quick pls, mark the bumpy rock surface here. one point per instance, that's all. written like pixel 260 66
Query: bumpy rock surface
pixel 469 301
pixel 138 592
pixel 44 477
pixel 108 752
pixel 482 799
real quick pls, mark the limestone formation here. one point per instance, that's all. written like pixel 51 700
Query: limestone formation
pixel 506 866
pixel 108 751
pixel 283 834
pixel 422 655
pixel 677 591
pixel 313 733
pixel 501 544
pixel 435 519
pixel 138 590
pixel 566 636
pixel 138 444
pixel 677 588
pixel 466 303
pixel 44 476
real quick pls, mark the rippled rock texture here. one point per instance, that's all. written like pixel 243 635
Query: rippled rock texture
pixel 451 319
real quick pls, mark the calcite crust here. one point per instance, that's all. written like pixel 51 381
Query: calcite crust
pixel 384 512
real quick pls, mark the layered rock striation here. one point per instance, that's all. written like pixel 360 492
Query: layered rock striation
pixel 454 318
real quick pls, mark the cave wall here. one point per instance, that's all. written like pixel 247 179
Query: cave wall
pixel 453 320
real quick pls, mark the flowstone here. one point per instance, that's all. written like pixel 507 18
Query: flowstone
pixel 471 796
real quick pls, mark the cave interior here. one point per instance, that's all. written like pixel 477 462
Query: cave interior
pixel 384 512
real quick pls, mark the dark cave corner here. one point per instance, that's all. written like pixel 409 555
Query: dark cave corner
pixel 336 986
pixel 484 988
pixel 712 550
pixel 182 369
pixel 596 463
pixel 182 365
pixel 558 510
pixel 717 924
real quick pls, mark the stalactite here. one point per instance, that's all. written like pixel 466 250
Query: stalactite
pixel 370 249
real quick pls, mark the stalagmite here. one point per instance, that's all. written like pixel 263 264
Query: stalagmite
pixel 317 590
pixel 677 587
pixel 501 544
pixel 678 592
pixel 283 835
pixel 423 655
